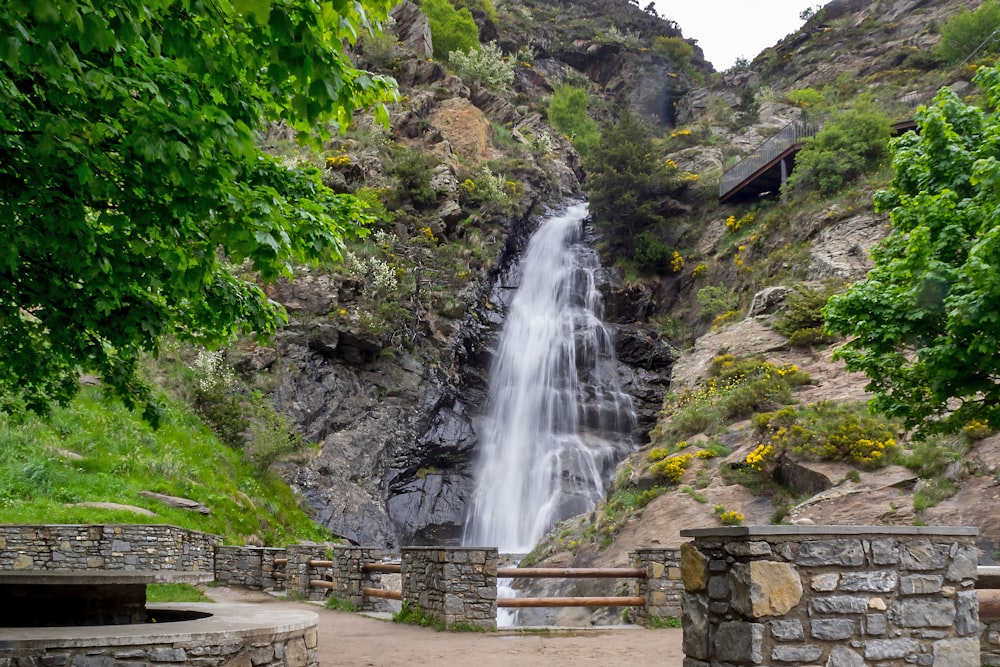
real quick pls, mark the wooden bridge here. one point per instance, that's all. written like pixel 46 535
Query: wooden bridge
pixel 765 170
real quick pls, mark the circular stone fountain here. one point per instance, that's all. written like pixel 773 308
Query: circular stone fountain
pixel 76 595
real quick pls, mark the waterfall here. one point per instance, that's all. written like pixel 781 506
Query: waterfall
pixel 556 421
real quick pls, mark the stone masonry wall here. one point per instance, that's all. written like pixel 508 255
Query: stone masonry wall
pixel 296 648
pixel 839 596
pixel 455 586
pixel 251 567
pixel 663 587
pixel 349 579
pixel 105 547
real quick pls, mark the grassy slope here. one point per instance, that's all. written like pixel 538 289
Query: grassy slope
pixel 40 478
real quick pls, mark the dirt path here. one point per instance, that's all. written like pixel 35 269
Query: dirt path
pixel 356 640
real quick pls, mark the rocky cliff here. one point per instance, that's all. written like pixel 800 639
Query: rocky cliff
pixel 391 380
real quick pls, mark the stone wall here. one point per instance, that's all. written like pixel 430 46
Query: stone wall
pixel 840 596
pixel 227 636
pixel 663 587
pixel 456 586
pixel 106 547
pixel 250 567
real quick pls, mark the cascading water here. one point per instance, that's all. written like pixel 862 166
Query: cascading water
pixel 557 421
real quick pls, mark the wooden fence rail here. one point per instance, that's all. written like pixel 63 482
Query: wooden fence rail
pixel 572 573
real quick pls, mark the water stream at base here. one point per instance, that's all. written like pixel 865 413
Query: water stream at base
pixel 557 420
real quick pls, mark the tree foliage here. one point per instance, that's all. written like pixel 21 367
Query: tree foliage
pixel 970 31
pixel 134 202
pixel 627 183
pixel 926 320
pixel 568 114
pixel 451 29
pixel 849 145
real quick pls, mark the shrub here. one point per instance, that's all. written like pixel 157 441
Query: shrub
pixel 451 29
pixel 802 320
pixel 806 98
pixel 627 184
pixel 568 114
pixel 486 7
pixel 413 170
pixel 486 186
pixel 670 470
pixel 272 435
pixel 728 517
pixel 848 146
pixel 675 49
pixel 738 388
pixel 216 400
pixel 967 30
pixel 651 254
pixel 831 431
pixel 485 65
pixel 715 299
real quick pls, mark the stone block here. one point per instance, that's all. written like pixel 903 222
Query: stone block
pixel 799 654
pixel 765 588
pixel 744 549
pixel 296 654
pixel 967 613
pixel 846 552
pixel 164 654
pixel 718 587
pixel 242 659
pixel 922 612
pixel 844 657
pixel 694 569
pixel 787 630
pixel 889 649
pixel 739 642
pixel 923 555
pixel 825 583
pixel 262 655
pixel 920 584
pixel 964 564
pixel 92 661
pixel 956 653
pixel 694 617
pixel 832 629
pixel 885 552
pixel 838 604
pixel 875 624
pixel 878 581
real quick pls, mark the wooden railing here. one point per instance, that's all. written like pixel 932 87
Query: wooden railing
pixel 572 573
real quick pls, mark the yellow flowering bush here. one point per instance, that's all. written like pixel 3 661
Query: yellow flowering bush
pixel 658 454
pixel 699 270
pixel 670 470
pixel 734 224
pixel 831 431
pixel 676 262
pixel 759 457
pixel 731 518
pixel 338 162
pixel 976 430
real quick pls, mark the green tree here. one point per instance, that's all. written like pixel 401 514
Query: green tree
pixel 926 320
pixel 627 183
pixel 568 114
pixel 134 202
pixel 849 145
pixel 970 31
pixel 451 29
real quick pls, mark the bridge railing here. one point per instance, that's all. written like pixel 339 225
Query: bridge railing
pixel 791 134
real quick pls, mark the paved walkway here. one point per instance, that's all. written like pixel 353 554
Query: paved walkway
pixel 356 640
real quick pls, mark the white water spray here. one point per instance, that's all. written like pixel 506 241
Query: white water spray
pixel 557 421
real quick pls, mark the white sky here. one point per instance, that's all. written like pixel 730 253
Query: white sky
pixel 730 29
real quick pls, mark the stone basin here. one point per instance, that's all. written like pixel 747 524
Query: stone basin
pixel 230 635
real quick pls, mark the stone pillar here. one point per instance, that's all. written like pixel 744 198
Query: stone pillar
pixel 837 596
pixel 300 573
pixel 267 579
pixel 456 586
pixel 349 579
pixel 662 587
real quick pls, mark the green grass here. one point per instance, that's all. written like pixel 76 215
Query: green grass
pixel 96 450
pixel 663 622
pixel 175 593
